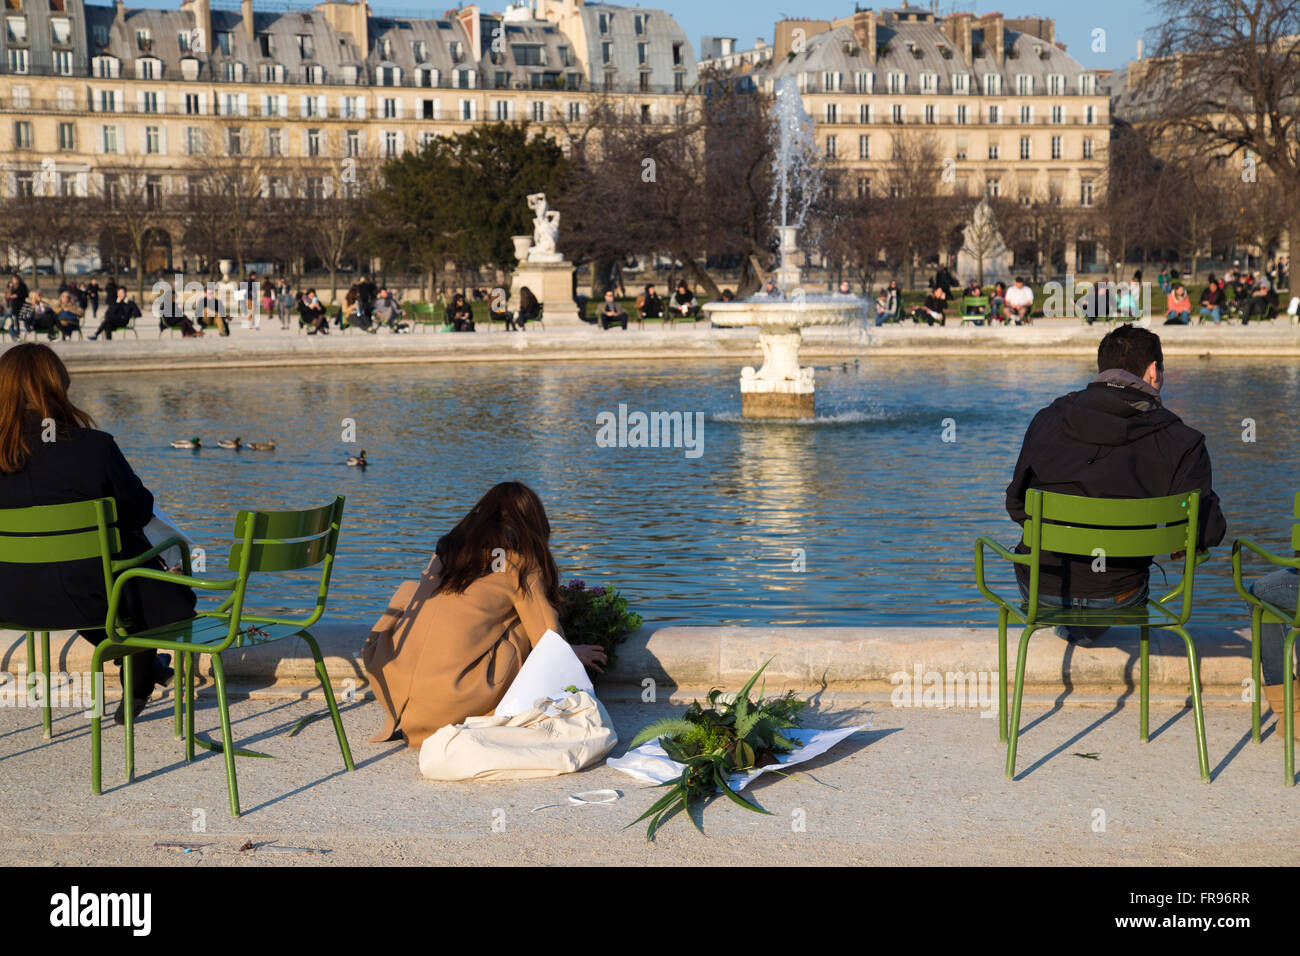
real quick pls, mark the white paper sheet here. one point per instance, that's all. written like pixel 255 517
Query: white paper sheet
pixel 649 764
pixel 161 527
pixel 551 666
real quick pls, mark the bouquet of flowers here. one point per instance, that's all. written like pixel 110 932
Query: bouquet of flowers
pixel 595 616
pixel 730 735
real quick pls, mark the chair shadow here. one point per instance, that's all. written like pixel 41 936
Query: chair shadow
pixel 1067 688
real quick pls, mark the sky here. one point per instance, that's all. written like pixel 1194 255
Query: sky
pixel 1122 21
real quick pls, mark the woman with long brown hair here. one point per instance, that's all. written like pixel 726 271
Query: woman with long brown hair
pixel 450 644
pixel 79 464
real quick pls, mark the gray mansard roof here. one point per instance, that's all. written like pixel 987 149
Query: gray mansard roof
pixel 661 34
pixel 915 48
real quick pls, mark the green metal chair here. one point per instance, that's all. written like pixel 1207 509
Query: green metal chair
pixel 77 531
pixel 1261 611
pixel 266 541
pixel 1115 528
pixel 968 306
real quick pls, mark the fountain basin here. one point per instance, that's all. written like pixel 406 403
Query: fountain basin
pixel 780 388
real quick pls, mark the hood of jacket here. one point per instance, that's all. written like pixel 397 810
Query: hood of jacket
pixel 1111 415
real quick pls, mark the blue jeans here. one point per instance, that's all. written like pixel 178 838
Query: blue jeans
pixel 1277 588
pixel 1215 312
pixel 1178 317
pixel 1074 633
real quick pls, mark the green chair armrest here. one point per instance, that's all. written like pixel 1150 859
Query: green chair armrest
pixel 153 574
pixel 1277 560
pixel 152 553
pixel 980 544
pixel 1200 558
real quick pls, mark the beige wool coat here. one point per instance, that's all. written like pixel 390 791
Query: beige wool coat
pixel 436 659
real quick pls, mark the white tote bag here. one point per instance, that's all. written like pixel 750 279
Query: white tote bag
pixel 559 735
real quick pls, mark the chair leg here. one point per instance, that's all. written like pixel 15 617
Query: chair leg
pixel 47 727
pixel 96 715
pixel 1288 707
pixel 1256 620
pixel 128 698
pixel 227 739
pixel 177 678
pixel 1202 754
pixel 1002 675
pixel 31 660
pixel 1014 733
pixel 1144 684
pixel 329 700
pixel 190 661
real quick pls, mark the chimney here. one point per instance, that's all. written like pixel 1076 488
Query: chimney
pixel 995 38
pixel 1139 48
pixel 468 17
pixel 201 12
pixel 246 13
pixel 119 11
pixel 958 27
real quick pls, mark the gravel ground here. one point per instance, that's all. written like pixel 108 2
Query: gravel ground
pixel 918 787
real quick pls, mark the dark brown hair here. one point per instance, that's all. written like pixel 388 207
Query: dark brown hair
pixel 509 518
pixel 33 387
pixel 1131 348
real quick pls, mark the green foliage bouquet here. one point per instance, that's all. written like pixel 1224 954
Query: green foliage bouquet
pixel 726 737
pixel 595 616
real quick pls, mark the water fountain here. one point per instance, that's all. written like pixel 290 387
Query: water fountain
pixel 780 388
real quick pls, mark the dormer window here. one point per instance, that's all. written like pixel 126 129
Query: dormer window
pixel 640 21
pixel 960 83
pixel 306 46
pixel 223 43
pixel 1024 84
pixel 148 68
pixel 266 45
pixel 106 67
pixel 605 19
pixel 313 74
pixel 456 50
pixel 271 73
pixel 16 29
pixel 232 72
pixel 385 49
pixel 60 31
pixel 426 76
pixel 143 40
pixel 419 51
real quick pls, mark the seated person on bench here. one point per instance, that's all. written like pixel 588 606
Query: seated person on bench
pixel 610 313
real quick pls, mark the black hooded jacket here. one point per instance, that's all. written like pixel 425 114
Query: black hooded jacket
pixel 1110 441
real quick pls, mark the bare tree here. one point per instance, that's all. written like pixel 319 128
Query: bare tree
pixel 1229 74
pixel 915 168
pixel 130 209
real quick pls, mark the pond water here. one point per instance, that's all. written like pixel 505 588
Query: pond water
pixel 878 510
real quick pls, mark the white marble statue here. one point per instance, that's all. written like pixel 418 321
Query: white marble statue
pixel 546 230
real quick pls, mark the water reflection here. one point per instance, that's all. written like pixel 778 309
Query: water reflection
pixel 883 510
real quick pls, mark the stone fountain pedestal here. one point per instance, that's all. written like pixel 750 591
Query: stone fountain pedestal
pixel 550 278
pixel 780 388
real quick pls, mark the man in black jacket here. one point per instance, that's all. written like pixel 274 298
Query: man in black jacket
pixel 1114 439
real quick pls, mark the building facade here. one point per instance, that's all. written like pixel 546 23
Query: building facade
pixel 90 91
pixel 1011 113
